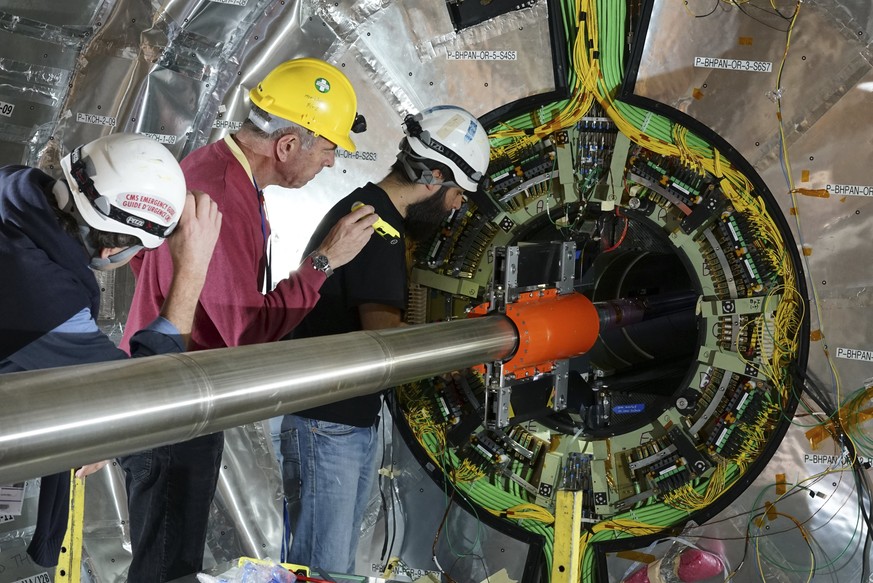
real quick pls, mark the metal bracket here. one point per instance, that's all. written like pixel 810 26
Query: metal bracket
pixel 561 379
pixel 497 397
pixel 567 267
pixel 497 414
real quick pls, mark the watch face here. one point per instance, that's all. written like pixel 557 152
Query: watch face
pixel 320 263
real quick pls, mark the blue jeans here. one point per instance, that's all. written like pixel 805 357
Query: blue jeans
pixel 169 493
pixel 279 431
pixel 334 468
pixel 275 424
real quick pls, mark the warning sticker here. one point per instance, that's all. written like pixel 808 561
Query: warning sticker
pixel 150 204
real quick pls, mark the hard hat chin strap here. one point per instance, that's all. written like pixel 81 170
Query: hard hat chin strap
pixel 103 263
pixel 97 262
pixel 419 172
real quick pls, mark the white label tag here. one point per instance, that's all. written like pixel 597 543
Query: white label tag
pixel 482 55
pixel 6 109
pixel 38 578
pixel 94 119
pixel 226 124
pixel 852 354
pixel 733 64
pixel 359 155
pixel 850 189
pixel 12 499
pixel 813 459
pixel 162 138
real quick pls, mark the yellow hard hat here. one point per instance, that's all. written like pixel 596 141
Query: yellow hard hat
pixel 313 94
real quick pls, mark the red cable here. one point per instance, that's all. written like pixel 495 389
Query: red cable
pixel 623 233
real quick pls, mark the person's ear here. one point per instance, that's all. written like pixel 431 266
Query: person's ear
pixel 286 146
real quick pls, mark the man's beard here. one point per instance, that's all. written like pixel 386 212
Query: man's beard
pixel 424 218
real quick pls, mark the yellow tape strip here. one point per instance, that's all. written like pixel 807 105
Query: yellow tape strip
pixel 69 569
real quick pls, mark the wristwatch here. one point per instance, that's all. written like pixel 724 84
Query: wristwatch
pixel 320 263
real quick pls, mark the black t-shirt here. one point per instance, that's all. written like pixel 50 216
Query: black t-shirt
pixel 377 275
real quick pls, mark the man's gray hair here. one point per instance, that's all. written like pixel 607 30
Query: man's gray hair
pixel 272 127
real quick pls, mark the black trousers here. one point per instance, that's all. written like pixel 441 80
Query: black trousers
pixel 169 493
pixel 51 519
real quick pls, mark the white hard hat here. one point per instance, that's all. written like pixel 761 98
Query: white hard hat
pixel 127 183
pixel 452 136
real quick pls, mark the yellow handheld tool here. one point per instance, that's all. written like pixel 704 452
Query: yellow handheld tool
pixel 381 227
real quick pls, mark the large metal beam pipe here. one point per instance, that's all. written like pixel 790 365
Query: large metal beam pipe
pixel 52 420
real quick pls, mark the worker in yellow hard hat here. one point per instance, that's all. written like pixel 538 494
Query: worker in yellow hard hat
pixel 300 113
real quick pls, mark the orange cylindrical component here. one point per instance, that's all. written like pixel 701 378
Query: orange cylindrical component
pixel 551 327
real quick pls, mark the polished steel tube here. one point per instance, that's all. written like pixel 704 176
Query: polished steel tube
pixel 52 420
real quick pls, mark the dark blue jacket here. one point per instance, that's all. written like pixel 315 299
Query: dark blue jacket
pixel 47 287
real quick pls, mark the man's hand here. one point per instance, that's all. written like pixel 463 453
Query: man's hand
pixel 89 469
pixel 193 241
pixel 348 236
